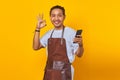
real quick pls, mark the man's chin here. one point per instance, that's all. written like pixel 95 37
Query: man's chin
pixel 57 26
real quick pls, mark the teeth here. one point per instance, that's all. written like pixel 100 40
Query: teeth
pixel 56 22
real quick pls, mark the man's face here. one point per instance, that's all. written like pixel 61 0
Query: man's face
pixel 57 17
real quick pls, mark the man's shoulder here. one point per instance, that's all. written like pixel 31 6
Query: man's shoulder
pixel 49 31
pixel 69 29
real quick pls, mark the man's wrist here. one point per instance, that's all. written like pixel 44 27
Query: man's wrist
pixel 80 45
pixel 37 30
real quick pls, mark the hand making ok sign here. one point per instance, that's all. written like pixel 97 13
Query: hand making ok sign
pixel 41 23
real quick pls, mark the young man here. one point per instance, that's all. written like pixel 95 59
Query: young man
pixel 60 46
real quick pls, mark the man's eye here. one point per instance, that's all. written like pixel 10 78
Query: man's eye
pixel 60 15
pixel 52 15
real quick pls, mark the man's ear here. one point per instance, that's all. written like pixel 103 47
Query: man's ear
pixel 64 17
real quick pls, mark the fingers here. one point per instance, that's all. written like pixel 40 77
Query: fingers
pixel 78 36
pixel 41 23
pixel 44 23
pixel 78 40
pixel 40 17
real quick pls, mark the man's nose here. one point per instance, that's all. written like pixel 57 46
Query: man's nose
pixel 56 17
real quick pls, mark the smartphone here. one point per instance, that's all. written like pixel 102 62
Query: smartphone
pixel 79 32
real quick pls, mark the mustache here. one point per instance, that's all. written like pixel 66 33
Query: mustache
pixel 56 20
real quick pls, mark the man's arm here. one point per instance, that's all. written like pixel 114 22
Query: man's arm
pixel 80 49
pixel 36 40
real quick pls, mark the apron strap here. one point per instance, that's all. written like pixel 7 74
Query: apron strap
pixel 61 36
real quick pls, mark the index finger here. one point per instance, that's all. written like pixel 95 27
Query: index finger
pixel 40 16
pixel 78 36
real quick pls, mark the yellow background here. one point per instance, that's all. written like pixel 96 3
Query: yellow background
pixel 99 19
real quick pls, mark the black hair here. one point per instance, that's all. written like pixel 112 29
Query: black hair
pixel 58 7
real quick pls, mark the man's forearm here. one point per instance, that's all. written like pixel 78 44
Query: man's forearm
pixel 36 41
pixel 80 51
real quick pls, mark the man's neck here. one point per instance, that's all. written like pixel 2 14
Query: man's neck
pixel 59 28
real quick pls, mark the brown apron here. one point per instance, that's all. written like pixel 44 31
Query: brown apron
pixel 58 66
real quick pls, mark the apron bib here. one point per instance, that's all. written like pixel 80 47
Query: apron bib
pixel 58 66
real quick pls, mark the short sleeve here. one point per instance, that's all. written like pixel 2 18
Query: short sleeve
pixel 44 39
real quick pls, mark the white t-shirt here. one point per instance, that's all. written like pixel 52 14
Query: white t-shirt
pixel 69 35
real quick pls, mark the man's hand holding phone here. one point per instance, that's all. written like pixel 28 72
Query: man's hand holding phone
pixel 78 38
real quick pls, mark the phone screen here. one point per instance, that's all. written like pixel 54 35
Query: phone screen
pixel 78 32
